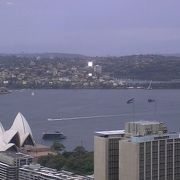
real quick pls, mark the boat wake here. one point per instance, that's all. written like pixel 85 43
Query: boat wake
pixel 92 117
pixel 109 116
pixel 83 117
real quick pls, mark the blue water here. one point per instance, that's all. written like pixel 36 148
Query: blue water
pixel 79 103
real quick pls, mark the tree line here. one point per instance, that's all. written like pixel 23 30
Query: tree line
pixel 79 160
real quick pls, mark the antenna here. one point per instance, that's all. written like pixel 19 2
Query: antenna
pixel 132 101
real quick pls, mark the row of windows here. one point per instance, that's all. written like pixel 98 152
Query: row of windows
pixel 164 157
pixel 113 165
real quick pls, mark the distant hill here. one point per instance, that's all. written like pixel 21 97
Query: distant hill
pixel 140 67
pixel 144 67
pixel 46 55
pixel 176 54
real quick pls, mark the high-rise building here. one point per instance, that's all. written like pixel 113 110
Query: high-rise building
pixel 106 154
pixel 146 152
pixel 98 69
pixel 10 163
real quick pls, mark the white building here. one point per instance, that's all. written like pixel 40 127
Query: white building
pixel 98 69
pixel 35 171
pixel 10 163
pixel 17 136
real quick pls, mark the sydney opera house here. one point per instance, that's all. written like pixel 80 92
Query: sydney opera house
pixel 17 136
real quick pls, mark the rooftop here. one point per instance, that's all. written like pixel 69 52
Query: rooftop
pixel 53 173
pixel 142 122
pixel 139 139
pixel 114 132
pixel 15 155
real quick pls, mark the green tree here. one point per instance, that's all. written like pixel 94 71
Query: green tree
pixel 79 151
pixel 57 146
pixel 78 161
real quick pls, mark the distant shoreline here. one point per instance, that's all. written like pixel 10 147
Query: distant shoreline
pixel 174 86
pixel 51 72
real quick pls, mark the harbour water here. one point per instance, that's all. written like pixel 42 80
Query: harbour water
pixel 79 113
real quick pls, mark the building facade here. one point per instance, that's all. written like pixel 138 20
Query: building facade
pixel 152 157
pixel 10 163
pixel 106 154
pixel 37 172
pixel 146 152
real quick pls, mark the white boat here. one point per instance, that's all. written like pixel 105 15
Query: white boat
pixel 140 87
pixel 32 93
pixel 150 86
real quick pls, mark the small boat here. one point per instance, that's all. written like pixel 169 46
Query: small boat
pixel 130 87
pixel 150 86
pixel 151 100
pixel 32 93
pixel 139 87
pixel 53 135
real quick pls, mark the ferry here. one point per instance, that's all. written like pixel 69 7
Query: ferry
pixel 53 135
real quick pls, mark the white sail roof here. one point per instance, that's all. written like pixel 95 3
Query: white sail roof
pixel 8 135
pixel 18 135
pixel 6 146
pixel 21 125
pixel 1 128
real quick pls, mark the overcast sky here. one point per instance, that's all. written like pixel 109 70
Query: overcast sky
pixel 90 27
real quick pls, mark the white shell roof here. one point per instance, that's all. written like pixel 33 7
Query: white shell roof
pixel 8 135
pixel 5 146
pixel 1 128
pixel 20 127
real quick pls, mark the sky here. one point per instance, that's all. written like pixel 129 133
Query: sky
pixel 90 27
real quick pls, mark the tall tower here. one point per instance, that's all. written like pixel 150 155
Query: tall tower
pixel 146 152
pixel 106 154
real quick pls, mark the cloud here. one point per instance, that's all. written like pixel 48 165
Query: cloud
pixel 9 3
pixel 5 2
